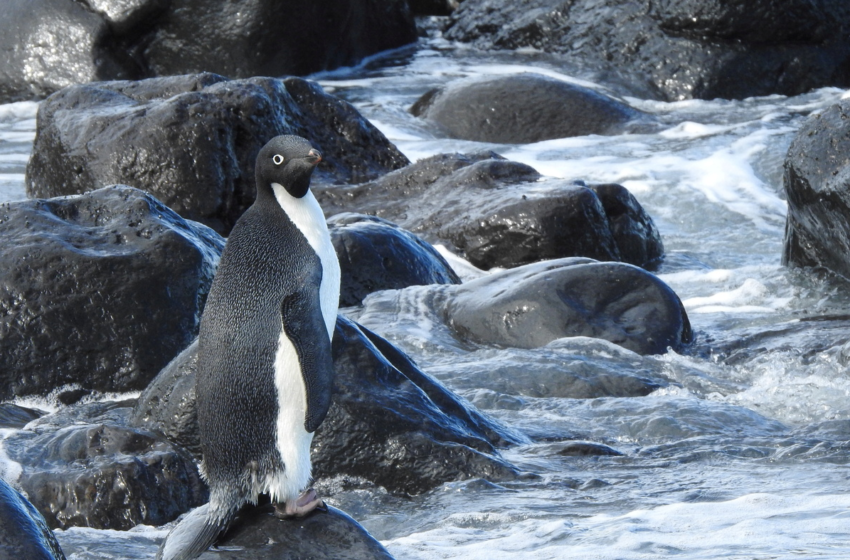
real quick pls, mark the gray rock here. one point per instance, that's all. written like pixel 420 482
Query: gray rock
pixel 492 212
pixel 192 140
pixel 530 306
pixel 99 290
pixel 525 108
pixel 390 423
pixel 82 467
pixel 677 49
pixel 817 187
pixel 24 534
pixel 375 254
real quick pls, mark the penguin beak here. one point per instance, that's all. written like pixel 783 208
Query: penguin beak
pixel 314 157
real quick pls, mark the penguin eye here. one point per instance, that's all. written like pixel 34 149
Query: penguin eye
pixel 277 159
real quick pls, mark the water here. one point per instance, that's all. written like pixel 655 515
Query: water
pixel 741 453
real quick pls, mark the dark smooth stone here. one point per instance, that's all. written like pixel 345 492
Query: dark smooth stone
pixel 524 108
pixel 258 535
pixel 24 535
pixel 375 254
pixel 530 306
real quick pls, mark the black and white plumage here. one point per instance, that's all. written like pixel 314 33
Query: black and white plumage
pixel 264 350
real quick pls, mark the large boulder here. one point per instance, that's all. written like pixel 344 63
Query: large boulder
pixel 192 140
pixel 256 534
pixel 530 306
pixel 524 108
pixel 389 424
pixel 99 290
pixel 677 49
pixel 533 305
pixel 49 44
pixel 817 187
pixel 82 467
pixel 375 254
pixel 495 213
pixel 24 535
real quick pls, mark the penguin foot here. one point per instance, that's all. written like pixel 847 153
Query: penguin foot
pixel 299 507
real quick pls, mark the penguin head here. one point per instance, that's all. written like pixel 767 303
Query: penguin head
pixel 288 161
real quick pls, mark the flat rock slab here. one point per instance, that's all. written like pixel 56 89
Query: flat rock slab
pixel 99 290
pixel 494 212
pixel 817 187
pixel 192 140
pixel 258 535
pixel 525 108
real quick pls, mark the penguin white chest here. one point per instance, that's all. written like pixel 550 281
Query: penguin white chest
pixel 293 441
pixel 308 217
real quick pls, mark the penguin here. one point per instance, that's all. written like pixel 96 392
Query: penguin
pixel 265 370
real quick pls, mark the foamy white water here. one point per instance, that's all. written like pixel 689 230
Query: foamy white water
pixel 741 452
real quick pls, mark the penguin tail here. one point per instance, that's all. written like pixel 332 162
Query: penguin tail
pixel 193 535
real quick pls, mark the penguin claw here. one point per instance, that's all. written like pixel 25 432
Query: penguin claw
pixel 304 504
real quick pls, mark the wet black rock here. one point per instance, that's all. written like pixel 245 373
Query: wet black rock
pixel 192 140
pixel 24 535
pixel 46 45
pixel 678 49
pixel 99 290
pixel 494 213
pixel 390 423
pixel 817 186
pixel 524 108
pixel 82 467
pixel 257 535
pixel 49 44
pixel 14 416
pixel 530 306
pixel 433 7
pixel 375 254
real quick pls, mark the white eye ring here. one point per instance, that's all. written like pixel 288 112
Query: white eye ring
pixel 277 159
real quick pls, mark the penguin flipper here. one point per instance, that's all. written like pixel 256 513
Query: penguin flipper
pixel 192 536
pixel 305 327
